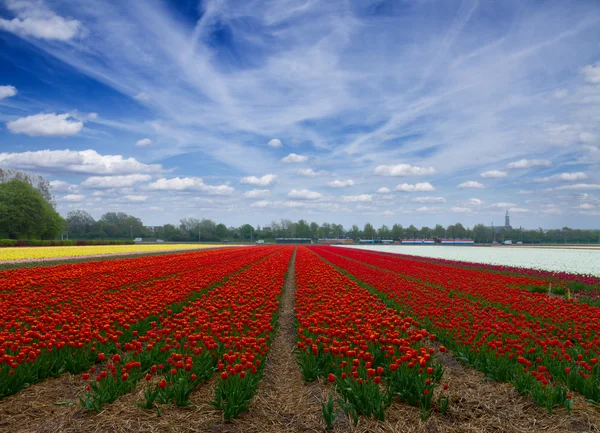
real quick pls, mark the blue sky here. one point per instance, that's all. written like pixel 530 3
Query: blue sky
pixel 400 111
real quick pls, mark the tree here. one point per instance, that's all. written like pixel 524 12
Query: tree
pixel 25 214
pixel 411 231
pixel 222 231
pixel 397 231
pixel 439 232
pixel 368 231
pixel 384 232
pixel 303 229
pixel 354 232
pixel 36 181
pixel 80 223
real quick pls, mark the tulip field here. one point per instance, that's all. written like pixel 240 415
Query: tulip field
pixel 295 338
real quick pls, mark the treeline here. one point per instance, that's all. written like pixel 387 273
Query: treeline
pixel 118 225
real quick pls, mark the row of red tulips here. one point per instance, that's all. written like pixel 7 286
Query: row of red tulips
pixel 501 291
pixel 541 358
pixel 227 329
pixel 46 329
pixel 348 336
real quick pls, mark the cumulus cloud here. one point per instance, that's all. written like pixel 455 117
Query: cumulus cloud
pixel 309 172
pixel 261 204
pixel 7 92
pixel 591 73
pixel 470 184
pixel 274 142
pixel 563 177
pixel 502 205
pixel 34 19
pixel 475 201
pixel 427 209
pixel 429 200
pixel 82 161
pixel 518 210
pixel 586 206
pixel 189 184
pixel 403 170
pixel 530 163
pixel 304 194
pixel 144 142
pixel 418 187
pixel 579 186
pixel 292 157
pixel 257 193
pixel 341 183
pixel 136 198
pixel 494 174
pixel 458 209
pixel 50 124
pixel 357 198
pixel 73 197
pixel 384 190
pixel 265 180
pixel 62 186
pixel 115 181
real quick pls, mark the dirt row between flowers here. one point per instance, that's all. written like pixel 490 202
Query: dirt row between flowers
pixel 285 403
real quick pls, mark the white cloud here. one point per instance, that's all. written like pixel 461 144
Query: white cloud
pixel 384 190
pixel 274 142
pixel 418 187
pixel 83 161
pixel 427 209
pixel 115 181
pixel 587 137
pixel 265 180
pixel 257 193
pixel 475 202
pixel 563 177
pixel 7 92
pixel 292 157
pixel 142 97
pixel 304 194
pixel 62 186
pixel 309 172
pixel 429 200
pixel 388 213
pixel 357 198
pixel 73 197
pixel 457 209
pixel 157 208
pixel 579 186
pixel 526 191
pixel 403 170
pixel 34 19
pixel 341 183
pixel 529 163
pixel 553 211
pixel 51 124
pixel 144 142
pixel 189 184
pixel 494 174
pixel 502 205
pixel 518 210
pixel 591 73
pixel 586 206
pixel 136 198
pixel 261 204
pixel 470 184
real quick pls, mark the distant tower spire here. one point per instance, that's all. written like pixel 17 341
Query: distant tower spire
pixel 506 220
